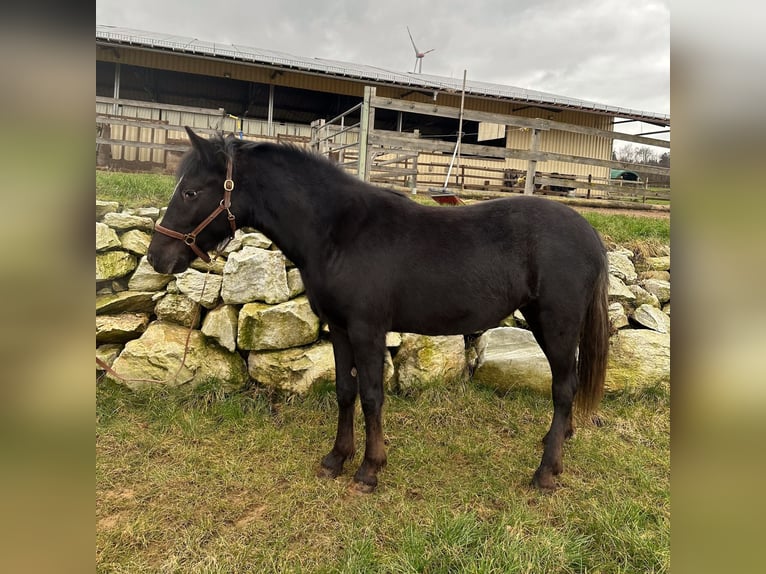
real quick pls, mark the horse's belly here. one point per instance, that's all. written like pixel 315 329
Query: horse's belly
pixel 444 317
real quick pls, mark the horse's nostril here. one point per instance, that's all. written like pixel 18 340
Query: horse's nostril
pixel 150 259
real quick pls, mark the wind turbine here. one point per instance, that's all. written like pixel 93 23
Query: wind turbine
pixel 418 55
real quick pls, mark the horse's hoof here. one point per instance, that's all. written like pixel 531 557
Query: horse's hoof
pixel 544 481
pixel 325 472
pixel 357 487
pixel 331 466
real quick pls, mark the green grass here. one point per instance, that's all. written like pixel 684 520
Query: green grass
pixel 625 229
pixel 208 482
pixel 134 189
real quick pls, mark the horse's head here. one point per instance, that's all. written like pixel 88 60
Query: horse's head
pixel 197 218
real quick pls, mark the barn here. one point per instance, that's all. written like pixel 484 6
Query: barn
pixel 149 84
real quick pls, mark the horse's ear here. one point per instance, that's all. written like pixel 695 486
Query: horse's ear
pixel 203 147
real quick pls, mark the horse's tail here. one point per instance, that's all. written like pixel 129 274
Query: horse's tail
pixel 594 346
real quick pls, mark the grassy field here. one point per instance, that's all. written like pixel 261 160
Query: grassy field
pixel 213 483
pixel 134 189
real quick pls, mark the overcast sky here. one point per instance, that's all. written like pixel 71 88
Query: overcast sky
pixel 613 52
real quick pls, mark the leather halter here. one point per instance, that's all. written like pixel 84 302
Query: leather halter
pixel 191 238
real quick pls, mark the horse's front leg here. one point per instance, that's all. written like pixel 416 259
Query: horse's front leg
pixel 369 349
pixel 346 390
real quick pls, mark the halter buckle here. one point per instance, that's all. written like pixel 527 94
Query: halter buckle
pixel 228 185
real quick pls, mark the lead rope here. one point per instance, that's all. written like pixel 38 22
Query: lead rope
pixel 116 375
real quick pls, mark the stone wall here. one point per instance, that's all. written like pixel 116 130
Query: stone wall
pixel 247 319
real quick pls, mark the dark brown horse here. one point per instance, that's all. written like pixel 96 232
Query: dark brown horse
pixel 374 261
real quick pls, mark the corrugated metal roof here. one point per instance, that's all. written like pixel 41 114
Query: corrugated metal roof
pixel 171 42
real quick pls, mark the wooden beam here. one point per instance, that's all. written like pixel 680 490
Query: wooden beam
pixel 409 142
pixel 150 145
pixel 158 106
pixel 515 121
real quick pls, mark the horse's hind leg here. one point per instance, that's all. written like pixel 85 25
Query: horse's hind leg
pixel 558 336
pixel 369 348
pixel 346 390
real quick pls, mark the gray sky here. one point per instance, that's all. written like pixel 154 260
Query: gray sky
pixel 613 52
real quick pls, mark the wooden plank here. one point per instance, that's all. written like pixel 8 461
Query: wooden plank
pixel 122 121
pixel 158 106
pixel 582 184
pixel 515 121
pixel 137 144
pixel 408 141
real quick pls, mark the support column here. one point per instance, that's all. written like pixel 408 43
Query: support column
pixel 534 146
pixel 271 111
pixel 117 72
pixel 366 123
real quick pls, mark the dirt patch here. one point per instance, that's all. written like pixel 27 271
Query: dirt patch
pixel 251 515
pixel 108 522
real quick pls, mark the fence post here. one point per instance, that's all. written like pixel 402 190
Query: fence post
pixel 534 146
pixel 366 119
pixel 316 126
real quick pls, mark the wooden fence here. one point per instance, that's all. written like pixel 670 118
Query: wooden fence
pixel 149 136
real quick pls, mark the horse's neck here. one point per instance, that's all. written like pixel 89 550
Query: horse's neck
pixel 291 222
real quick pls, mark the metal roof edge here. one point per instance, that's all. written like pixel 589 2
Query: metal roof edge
pixel 155 40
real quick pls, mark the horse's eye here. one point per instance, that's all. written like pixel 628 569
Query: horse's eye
pixel 189 194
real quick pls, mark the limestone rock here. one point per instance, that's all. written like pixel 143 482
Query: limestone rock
pixel 106 237
pixel 125 221
pixel 107 353
pixel 389 371
pixel 120 328
pixel 293 370
pixel 643 297
pixel 255 275
pixel 202 288
pixel 104 207
pixel 177 309
pixel 666 309
pixel 621 267
pixel 125 302
pixel 617 316
pixel 393 339
pixel 151 212
pixel 295 283
pixel 509 357
pixel 652 318
pixel 221 324
pixel 158 353
pixel 662 275
pixel 659 288
pixel 638 358
pixel 114 264
pixel 424 359
pixel 135 241
pixel 618 291
pixel 519 319
pixel 266 327
pixel 624 251
pixel 658 263
pixel 145 278
pixel 215 266
pixel 256 239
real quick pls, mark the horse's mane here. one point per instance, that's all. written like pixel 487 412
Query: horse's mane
pixel 228 146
